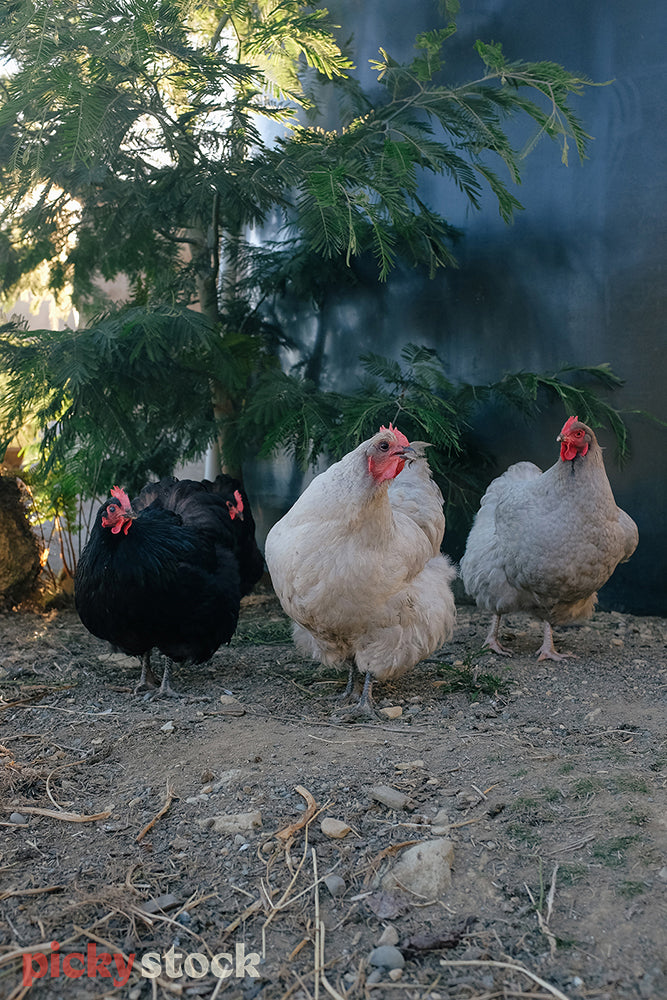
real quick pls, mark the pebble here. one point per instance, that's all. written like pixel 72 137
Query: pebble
pixel 224 779
pixel 466 800
pixel 391 712
pixel 389 936
pixel 390 797
pixel 386 956
pixel 120 660
pixel 18 818
pixel 335 884
pixel 233 822
pixel 231 705
pixel 440 824
pixel 160 903
pixel 424 869
pixel 168 727
pixel 334 828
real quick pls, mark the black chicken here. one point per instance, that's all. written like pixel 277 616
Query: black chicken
pixel 168 570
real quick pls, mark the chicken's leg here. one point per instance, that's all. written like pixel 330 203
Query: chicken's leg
pixel 492 641
pixel 347 696
pixel 546 650
pixel 366 700
pixel 148 680
pixel 165 690
pixel 361 708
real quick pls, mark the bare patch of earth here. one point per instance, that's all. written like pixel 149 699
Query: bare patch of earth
pixel 548 779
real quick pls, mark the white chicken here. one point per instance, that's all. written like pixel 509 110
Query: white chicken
pixel 356 563
pixel 545 542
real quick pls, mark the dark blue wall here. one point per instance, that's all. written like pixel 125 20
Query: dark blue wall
pixel 579 277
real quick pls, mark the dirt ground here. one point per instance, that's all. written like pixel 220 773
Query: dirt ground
pixel 548 779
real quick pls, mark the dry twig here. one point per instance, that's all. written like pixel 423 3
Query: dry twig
pixel 298 824
pixel 68 817
pixel 453 963
pixel 31 892
pixel 149 826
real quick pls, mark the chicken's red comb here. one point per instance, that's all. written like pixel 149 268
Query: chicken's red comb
pixel 567 426
pixel 401 438
pixel 119 494
pixel 236 509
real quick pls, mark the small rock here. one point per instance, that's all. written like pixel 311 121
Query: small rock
pixel 662 874
pixel 389 935
pixel 396 974
pixel 391 712
pixel 466 800
pixel 335 884
pixel 18 818
pixel 390 797
pixel 334 828
pixel 231 705
pixel 160 903
pixel 168 727
pixel 120 660
pixel 440 824
pixel 424 869
pixel 409 765
pixel 233 822
pixel 224 779
pixel 375 976
pixel 386 956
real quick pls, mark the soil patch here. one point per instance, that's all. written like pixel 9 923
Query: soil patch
pixel 549 780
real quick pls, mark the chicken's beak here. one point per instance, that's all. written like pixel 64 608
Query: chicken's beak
pixel 408 453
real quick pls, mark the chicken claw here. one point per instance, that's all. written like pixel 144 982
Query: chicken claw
pixel 492 641
pixel 547 650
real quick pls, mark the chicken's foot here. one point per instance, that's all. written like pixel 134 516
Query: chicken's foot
pixel 363 709
pixel 165 690
pixel 148 680
pixel 547 650
pixel 492 641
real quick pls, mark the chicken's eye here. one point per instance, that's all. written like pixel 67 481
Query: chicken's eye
pixel 112 509
pixel 384 446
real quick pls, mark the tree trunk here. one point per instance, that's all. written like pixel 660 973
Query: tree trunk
pixel 19 549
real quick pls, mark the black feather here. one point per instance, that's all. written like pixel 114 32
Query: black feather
pixel 174 582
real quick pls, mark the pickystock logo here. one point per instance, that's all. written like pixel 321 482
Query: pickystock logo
pixel 93 963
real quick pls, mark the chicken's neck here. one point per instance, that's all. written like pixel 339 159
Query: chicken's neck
pixel 584 472
pixel 366 503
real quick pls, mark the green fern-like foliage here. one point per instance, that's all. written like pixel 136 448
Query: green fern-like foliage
pixel 418 395
pixel 129 396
